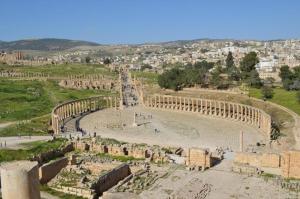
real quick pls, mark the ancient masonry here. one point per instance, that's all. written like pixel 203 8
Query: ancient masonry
pixel 132 150
pixel 77 107
pixel 96 82
pixel 199 158
pixel 24 76
pixel 20 180
pixel 221 109
pixel 288 162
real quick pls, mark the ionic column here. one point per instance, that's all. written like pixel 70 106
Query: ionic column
pixel 201 106
pixel 234 110
pixel 229 111
pixel 159 102
pixel 241 141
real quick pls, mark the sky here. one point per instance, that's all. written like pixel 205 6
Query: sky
pixel 140 21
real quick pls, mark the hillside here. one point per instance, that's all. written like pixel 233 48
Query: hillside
pixel 44 44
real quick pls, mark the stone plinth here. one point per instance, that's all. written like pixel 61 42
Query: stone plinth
pixel 20 180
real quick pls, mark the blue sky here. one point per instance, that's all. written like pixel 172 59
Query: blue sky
pixel 138 21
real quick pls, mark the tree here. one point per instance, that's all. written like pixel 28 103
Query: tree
pixel 144 66
pixel 87 60
pixel 254 79
pixel 107 61
pixel 171 79
pixel 267 92
pixel 298 96
pixel 248 62
pixel 231 70
pixel 269 81
pixel 285 73
pixel 248 70
pixel 204 65
pixel 290 79
pixel 229 61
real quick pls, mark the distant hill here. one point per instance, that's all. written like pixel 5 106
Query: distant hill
pixel 44 44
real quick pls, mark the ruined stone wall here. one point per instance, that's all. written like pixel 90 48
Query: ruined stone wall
pixel 51 169
pixel 49 155
pixel 139 152
pixel 95 82
pixel 258 160
pixel 288 162
pixel 77 107
pixel 221 109
pixel 199 158
pixel 291 164
pixel 111 178
pixel 23 75
pixel 85 193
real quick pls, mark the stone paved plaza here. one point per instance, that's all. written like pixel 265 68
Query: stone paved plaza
pixel 172 128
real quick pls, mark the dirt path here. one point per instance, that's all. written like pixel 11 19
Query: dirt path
pixel 16 142
pixel 7 124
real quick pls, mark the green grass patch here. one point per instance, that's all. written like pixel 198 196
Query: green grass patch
pixel 60 195
pixel 268 175
pixel 282 97
pixel 119 158
pixel 23 100
pixel 32 149
pixel 63 69
pixel 37 126
pixel 109 141
pixel 147 77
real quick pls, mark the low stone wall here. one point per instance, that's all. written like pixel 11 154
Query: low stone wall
pixel 51 169
pixel 270 160
pixel 111 178
pixel 22 75
pixel 288 162
pixel 96 82
pixel 77 107
pixel 45 157
pixel 85 193
pixel 245 169
pixel 221 109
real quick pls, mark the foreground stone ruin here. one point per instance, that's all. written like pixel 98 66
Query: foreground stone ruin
pixel 20 179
